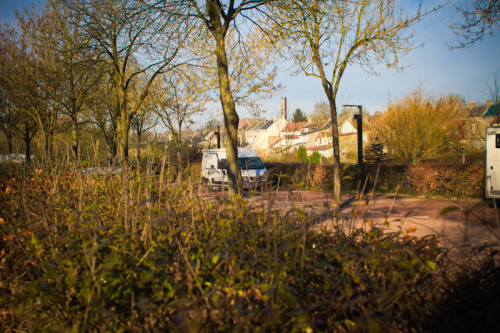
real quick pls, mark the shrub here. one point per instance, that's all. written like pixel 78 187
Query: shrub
pixel 322 175
pixel 448 180
pixel 315 157
pixel 454 181
pixel 96 253
pixel 302 154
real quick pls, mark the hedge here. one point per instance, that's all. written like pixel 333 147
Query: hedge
pixel 458 181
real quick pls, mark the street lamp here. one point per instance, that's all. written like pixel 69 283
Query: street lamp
pixel 218 135
pixel 359 119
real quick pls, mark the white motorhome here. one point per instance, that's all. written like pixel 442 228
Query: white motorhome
pixel 492 166
pixel 214 168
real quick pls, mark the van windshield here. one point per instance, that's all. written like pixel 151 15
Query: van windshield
pixel 250 163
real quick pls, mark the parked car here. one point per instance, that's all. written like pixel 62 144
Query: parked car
pixel 14 158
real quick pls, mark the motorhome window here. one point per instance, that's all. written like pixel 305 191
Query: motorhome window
pixel 497 140
pixel 222 164
pixel 250 163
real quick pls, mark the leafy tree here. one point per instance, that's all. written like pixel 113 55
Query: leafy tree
pixel 419 127
pixel 374 152
pixel 478 17
pixel 315 157
pixel 325 37
pixel 302 154
pixel 298 116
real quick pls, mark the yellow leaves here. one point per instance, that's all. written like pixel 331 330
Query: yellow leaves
pixel 8 238
pixel 8 189
pixel 2 221
pixel 411 230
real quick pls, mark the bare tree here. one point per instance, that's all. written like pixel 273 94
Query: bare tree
pixel 251 68
pixel 215 19
pixel 20 85
pixel 68 72
pixel 324 38
pixel 321 113
pixel 494 90
pixel 104 117
pixel 8 117
pixel 177 100
pixel 133 41
pixel 144 120
pixel 478 18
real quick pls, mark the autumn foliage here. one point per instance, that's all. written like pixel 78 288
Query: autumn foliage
pixel 420 127
pixel 453 181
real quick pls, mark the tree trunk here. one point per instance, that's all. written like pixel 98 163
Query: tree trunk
pixel 124 123
pixel 231 118
pixel 337 171
pixel 9 135
pixel 27 143
pixel 114 152
pixel 139 147
pixel 75 145
pixel 9 143
pixel 123 135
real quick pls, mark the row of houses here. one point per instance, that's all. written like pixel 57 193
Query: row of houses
pixel 278 135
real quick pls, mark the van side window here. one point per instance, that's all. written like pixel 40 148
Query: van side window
pixel 497 140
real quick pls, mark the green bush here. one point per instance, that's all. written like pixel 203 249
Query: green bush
pixel 302 154
pixel 315 157
pixel 131 252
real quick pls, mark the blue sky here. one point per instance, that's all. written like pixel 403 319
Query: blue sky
pixel 434 67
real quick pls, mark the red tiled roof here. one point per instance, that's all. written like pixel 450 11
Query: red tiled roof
pixel 294 127
pixel 320 148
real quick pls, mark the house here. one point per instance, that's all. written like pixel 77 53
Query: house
pixel 348 139
pixel 246 124
pixel 292 137
pixel 473 125
pixel 492 116
pixel 207 137
pixel 261 137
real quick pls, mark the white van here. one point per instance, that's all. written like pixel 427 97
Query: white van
pixel 492 166
pixel 214 168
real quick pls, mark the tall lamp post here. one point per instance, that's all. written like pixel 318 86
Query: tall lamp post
pixel 218 135
pixel 359 119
